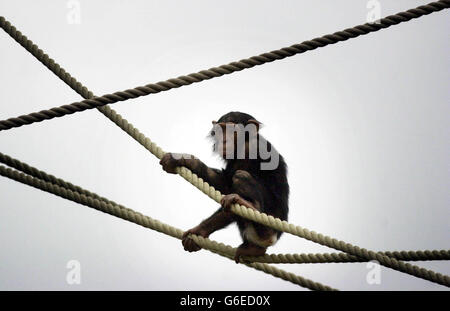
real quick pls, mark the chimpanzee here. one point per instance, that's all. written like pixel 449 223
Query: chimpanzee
pixel 255 176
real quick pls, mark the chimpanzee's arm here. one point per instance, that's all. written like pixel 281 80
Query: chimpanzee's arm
pixel 212 176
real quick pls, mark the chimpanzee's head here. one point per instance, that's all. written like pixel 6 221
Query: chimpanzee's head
pixel 234 134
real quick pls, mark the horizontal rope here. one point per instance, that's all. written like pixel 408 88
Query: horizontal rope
pixel 346 258
pixel 268 258
pixel 211 73
pixel 148 222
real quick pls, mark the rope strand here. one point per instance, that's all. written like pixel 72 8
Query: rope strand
pixel 162 86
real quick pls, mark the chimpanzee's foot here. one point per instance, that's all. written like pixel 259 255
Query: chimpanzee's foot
pixel 248 249
pixel 188 243
pixel 230 199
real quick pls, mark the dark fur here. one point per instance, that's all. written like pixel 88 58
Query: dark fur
pixel 267 190
pixel 274 187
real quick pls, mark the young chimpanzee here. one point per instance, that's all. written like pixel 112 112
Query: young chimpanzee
pixel 255 176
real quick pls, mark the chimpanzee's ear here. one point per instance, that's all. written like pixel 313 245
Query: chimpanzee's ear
pixel 257 123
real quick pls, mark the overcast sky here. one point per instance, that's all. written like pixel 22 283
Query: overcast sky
pixel 363 126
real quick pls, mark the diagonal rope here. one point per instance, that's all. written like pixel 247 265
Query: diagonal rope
pixel 228 250
pixel 263 218
pixel 29 170
pixel 211 73
pixel 275 222
pixel 319 238
pixel 148 222
pixel 108 112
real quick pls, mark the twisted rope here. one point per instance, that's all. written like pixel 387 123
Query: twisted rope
pixel 61 187
pixel 276 223
pixel 319 238
pixel 27 169
pixel 211 73
pixel 148 222
pixel 228 250
pixel 346 258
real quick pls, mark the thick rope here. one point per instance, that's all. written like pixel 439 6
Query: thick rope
pixel 275 222
pixel 148 222
pixel 212 72
pixel 284 226
pixel 228 250
pixel 240 210
pixel 346 258
pixel 27 169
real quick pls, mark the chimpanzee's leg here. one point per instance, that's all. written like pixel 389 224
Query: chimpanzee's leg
pixel 247 191
pixel 216 221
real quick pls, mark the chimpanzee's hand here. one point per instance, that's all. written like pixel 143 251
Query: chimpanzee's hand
pixel 228 200
pixel 188 243
pixel 169 162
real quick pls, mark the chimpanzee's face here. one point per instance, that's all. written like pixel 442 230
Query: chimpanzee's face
pixel 231 134
pixel 231 140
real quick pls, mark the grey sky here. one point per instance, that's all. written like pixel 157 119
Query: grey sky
pixel 363 126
